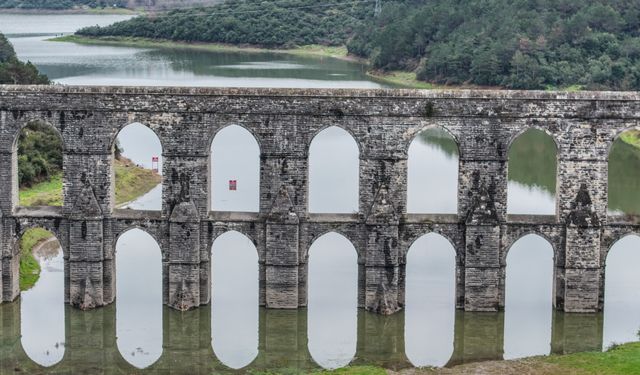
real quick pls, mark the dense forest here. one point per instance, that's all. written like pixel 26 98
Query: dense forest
pixel 521 44
pixel 280 23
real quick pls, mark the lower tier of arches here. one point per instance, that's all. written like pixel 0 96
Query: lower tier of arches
pixel 479 253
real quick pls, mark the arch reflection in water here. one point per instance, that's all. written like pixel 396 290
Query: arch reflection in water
pixel 622 292
pixel 532 169
pixel 139 144
pixel 430 301
pixel 235 155
pixel 42 307
pixel 333 172
pixel 235 300
pixel 528 298
pixel 139 298
pixel 432 179
pixel 333 301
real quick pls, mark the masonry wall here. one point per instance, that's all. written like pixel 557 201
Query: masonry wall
pixel 284 122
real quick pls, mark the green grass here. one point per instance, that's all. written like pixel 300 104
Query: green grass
pixel 354 370
pixel 631 137
pixel 133 181
pixel 620 360
pixel 29 266
pixel 339 52
pixel 403 79
pixel 47 193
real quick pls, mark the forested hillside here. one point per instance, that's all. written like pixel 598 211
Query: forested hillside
pixel 522 44
pixel 277 23
pixel 13 71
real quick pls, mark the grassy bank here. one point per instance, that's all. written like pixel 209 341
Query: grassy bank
pixel 29 266
pixel 631 137
pixel 131 183
pixel 309 50
pixel 621 360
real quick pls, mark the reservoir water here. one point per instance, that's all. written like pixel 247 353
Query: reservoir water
pixel 234 333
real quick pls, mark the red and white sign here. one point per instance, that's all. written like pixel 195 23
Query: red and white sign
pixel 233 185
pixel 154 163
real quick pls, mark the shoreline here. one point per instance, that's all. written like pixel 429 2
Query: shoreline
pixel 90 11
pixel 401 79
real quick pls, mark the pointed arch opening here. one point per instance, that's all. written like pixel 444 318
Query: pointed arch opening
pixel 332 300
pixel 430 301
pixel 532 171
pixel 235 171
pixel 624 181
pixel 138 298
pixel 137 164
pixel 529 297
pixel 38 181
pixel 334 170
pixel 235 299
pixel 42 308
pixel 622 292
pixel 432 173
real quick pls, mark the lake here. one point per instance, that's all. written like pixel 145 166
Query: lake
pixel 234 333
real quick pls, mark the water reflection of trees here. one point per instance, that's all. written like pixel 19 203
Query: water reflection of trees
pixel 532 160
pixel 439 138
pixel 624 178
pixel 91 340
pixel 257 65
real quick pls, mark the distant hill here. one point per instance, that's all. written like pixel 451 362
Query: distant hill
pixel 518 44
pixel 94 4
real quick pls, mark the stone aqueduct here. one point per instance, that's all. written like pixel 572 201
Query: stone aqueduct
pixel 283 121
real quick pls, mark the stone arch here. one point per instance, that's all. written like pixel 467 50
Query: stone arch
pixel 14 150
pixel 144 229
pixel 431 292
pixel 620 290
pixel 33 324
pixel 629 233
pixel 48 225
pixel 239 124
pixel 152 134
pixel 33 118
pixel 513 137
pixel 529 298
pixel 124 125
pixel 249 171
pixel 359 252
pixel 233 333
pixel 424 128
pixel 459 253
pixel 345 195
pixel 539 178
pixel 616 136
pixel 153 322
pixel 526 233
pixel 346 129
pixel 432 172
pixel 344 303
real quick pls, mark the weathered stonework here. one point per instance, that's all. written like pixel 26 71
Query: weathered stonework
pixel 284 122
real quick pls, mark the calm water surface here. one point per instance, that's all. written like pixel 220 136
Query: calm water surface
pixel 233 333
